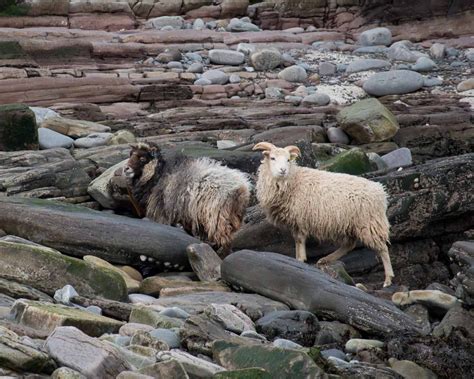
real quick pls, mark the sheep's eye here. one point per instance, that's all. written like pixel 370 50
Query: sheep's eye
pixel 288 160
pixel 272 158
pixel 142 159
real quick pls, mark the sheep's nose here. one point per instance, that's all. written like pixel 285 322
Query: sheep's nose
pixel 283 171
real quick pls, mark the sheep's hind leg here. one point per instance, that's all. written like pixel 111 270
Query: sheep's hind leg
pixel 339 253
pixel 300 248
pixel 387 266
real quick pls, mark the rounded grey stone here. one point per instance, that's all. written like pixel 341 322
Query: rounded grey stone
pixel 174 64
pixel 93 140
pixel 394 82
pixel 317 98
pixel 196 67
pixel 49 139
pixel 293 74
pixel 216 76
pixel 367 64
pixel 226 57
pixel 202 82
pixel 424 64
pixel 376 36
pixel 337 135
pixel 266 59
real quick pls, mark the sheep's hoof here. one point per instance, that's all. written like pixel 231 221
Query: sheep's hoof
pixel 387 283
pixel 323 262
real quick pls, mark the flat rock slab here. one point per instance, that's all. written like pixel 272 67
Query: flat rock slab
pixel 46 317
pixel 79 231
pixel 305 287
pixel 254 306
pixel 90 356
pixel 48 271
pixel 17 356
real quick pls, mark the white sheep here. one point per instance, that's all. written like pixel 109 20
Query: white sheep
pixel 339 208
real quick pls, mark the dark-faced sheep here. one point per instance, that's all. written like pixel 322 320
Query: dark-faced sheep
pixel 206 198
pixel 333 207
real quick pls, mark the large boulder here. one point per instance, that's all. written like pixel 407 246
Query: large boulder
pixel 18 130
pixel 79 231
pixel 368 121
pixel 280 363
pixel 49 271
pixel 395 82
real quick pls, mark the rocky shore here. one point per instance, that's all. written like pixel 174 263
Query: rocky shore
pixel 379 89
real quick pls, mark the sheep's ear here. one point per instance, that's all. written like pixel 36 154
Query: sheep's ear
pixel 294 151
pixel 265 146
pixel 133 146
pixel 154 150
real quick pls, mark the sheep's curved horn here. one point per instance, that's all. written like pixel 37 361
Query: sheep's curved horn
pixel 293 150
pixel 264 146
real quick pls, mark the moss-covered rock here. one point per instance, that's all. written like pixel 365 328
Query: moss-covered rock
pixel 17 356
pixel 18 130
pixel 48 271
pixel 353 161
pixel 368 121
pixel 46 317
pixel 279 363
pixel 11 50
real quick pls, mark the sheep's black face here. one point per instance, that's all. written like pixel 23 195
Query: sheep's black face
pixel 139 158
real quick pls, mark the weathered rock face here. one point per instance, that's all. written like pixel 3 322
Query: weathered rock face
pixel 368 121
pixel 91 357
pixel 49 271
pixel 18 129
pixel 46 317
pixel 82 232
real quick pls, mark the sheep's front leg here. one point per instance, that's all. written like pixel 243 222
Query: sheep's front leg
pixel 339 253
pixel 300 241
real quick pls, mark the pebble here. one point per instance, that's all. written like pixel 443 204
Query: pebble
pixel 236 25
pixel 286 344
pixel 398 158
pixel 409 369
pixel 216 77
pixel 317 98
pixel 234 78
pixel 432 82
pixel 465 85
pixel 295 100
pixel 139 298
pixel 193 57
pixel 393 82
pixel 274 93
pixel 202 82
pixel 174 64
pixel 226 57
pixel 196 68
pixel 376 36
pixel 167 335
pixel 93 140
pixel 337 135
pixel 437 50
pixel 424 64
pixel 199 24
pixel 336 353
pixel 293 74
pixel 327 68
pixel 49 139
pixel 254 335
pixel 175 312
pixel 172 22
pixel 400 52
pixel 266 59
pixel 356 344
pixel 246 48
pixel 65 294
pixel 469 53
